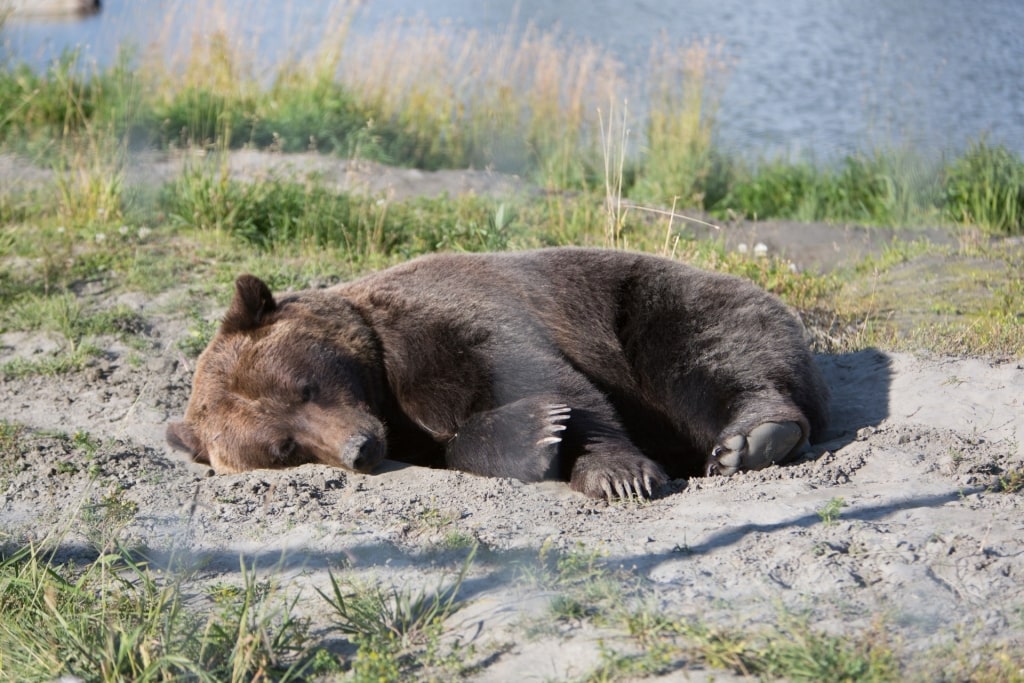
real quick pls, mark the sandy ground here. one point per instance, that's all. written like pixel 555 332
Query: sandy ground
pixel 917 443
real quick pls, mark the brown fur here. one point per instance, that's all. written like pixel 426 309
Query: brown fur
pixel 597 367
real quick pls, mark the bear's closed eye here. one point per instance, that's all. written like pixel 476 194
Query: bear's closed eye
pixel 284 450
pixel 308 392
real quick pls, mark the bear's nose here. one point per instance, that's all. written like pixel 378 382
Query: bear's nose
pixel 362 452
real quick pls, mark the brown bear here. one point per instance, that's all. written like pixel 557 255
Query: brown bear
pixel 607 369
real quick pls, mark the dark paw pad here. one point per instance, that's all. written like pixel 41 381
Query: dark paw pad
pixel 623 476
pixel 767 444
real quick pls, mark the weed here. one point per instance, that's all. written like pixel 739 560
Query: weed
pixel 791 651
pixel 10 435
pixel 88 444
pixel 397 630
pixel 1011 481
pixel 200 333
pixel 613 148
pixel 104 520
pixel 613 666
pixel 402 615
pixel 75 360
pixel 830 512
pixel 680 125
pixel 801 654
pixel 586 589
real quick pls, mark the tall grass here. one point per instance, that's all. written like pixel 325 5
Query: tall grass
pixel 279 212
pixel 682 106
pixel 985 186
pixel 114 620
pixel 892 189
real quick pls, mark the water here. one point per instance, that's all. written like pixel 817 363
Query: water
pixel 818 78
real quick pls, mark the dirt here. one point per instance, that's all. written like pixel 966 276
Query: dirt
pixel 926 543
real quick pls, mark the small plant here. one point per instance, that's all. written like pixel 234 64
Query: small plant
pixel 85 442
pixel 104 520
pixel 1011 481
pixel 656 660
pixel 63 363
pixel 397 630
pixel 830 512
pixel 405 616
pixel 792 651
pixel 10 435
pixel 200 333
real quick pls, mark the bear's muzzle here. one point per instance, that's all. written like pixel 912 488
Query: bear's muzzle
pixel 362 452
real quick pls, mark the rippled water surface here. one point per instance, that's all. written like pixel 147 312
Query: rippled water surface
pixel 816 77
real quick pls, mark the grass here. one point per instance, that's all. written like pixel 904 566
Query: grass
pixel 398 631
pixel 204 227
pixel 532 102
pixel 116 619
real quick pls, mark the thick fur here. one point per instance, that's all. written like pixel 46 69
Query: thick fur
pixel 608 369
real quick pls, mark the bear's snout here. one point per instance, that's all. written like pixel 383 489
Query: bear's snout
pixel 362 452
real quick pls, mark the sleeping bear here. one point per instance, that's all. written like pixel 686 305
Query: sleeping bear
pixel 610 370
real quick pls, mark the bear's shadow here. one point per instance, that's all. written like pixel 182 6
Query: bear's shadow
pixel 860 383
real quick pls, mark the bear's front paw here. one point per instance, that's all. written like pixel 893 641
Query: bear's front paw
pixel 767 444
pixel 621 476
pixel 553 419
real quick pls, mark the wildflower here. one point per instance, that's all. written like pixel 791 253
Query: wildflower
pixel 144 232
pixel 123 230
pixel 99 237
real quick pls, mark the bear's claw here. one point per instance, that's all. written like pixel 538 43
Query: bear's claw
pixel 767 444
pixel 557 415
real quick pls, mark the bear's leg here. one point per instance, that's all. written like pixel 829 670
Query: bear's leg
pixel 768 431
pixel 519 440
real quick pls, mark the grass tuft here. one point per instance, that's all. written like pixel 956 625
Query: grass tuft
pixel 399 631
pixel 113 620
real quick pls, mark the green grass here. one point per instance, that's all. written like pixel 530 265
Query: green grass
pixel 985 186
pixel 885 189
pixel 398 631
pixel 278 212
pixel 116 619
pixel 831 511
pixel 531 103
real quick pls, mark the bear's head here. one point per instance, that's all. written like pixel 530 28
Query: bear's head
pixel 285 383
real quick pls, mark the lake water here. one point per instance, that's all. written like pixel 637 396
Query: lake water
pixel 809 77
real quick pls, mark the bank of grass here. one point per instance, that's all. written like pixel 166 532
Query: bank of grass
pixel 204 227
pixel 529 101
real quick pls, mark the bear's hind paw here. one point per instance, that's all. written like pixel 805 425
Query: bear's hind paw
pixel 769 443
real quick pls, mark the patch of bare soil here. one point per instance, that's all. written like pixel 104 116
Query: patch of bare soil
pixel 925 542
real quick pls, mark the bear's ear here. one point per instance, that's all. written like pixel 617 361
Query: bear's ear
pixel 252 304
pixel 183 438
